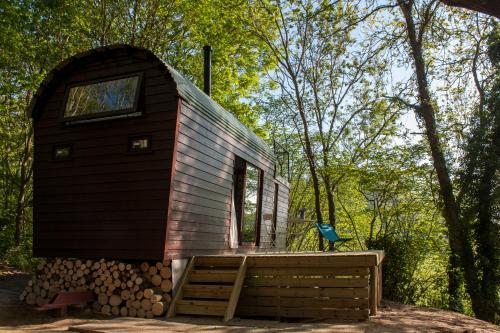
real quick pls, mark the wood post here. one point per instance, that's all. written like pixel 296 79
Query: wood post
pixel 379 293
pixel 373 297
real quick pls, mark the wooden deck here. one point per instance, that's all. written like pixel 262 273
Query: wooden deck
pixel 344 285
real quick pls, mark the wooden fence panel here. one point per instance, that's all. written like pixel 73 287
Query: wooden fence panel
pixel 312 287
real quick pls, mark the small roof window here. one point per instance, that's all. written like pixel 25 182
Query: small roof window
pixel 96 99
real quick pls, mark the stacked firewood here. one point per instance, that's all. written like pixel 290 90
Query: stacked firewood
pixel 121 288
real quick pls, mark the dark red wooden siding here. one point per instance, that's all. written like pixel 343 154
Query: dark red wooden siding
pixel 202 188
pixel 105 202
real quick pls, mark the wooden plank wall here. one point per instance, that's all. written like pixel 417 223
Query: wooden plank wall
pixel 202 188
pixel 309 287
pixel 268 229
pixel 282 217
pixel 105 202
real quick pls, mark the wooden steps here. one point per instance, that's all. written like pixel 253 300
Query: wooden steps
pixel 210 286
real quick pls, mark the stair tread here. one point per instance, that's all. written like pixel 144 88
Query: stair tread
pixel 208 286
pixel 212 275
pixel 230 262
pixel 214 271
pixel 203 291
pixel 202 302
pixel 208 310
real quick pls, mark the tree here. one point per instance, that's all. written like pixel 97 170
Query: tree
pixel 33 37
pixel 479 183
pixel 418 18
pixel 176 31
pixel 329 85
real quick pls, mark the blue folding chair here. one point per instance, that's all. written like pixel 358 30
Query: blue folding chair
pixel 329 233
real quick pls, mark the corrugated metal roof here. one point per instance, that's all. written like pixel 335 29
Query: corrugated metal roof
pixel 185 89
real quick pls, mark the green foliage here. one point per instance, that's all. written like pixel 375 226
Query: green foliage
pixel 402 259
pixel 21 256
pixel 177 31
pixel 480 184
pixel 34 36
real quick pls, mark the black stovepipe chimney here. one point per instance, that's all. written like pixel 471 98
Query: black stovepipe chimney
pixel 207 69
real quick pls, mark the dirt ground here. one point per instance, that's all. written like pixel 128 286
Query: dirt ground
pixel 392 317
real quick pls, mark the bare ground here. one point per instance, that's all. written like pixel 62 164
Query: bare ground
pixel 392 317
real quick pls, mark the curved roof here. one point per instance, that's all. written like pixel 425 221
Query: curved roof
pixel 185 89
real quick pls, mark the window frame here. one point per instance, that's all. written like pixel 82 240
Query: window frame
pixel 239 193
pixel 99 116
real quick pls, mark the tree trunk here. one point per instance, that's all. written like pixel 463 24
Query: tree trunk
pixel 331 206
pixel 454 283
pixel 19 217
pixel 24 179
pixel 310 161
